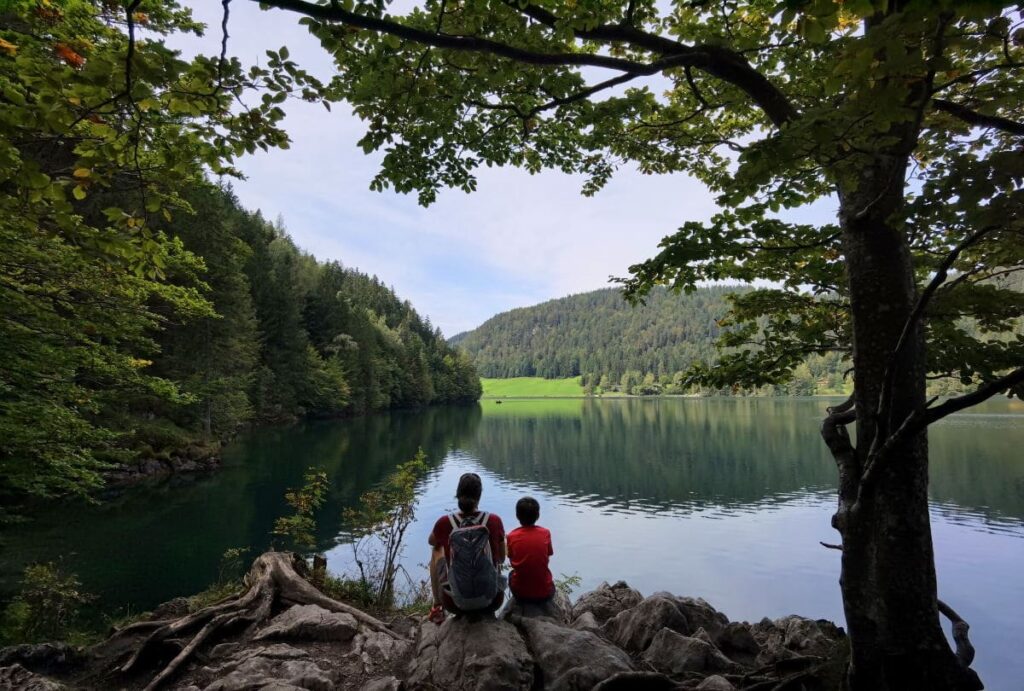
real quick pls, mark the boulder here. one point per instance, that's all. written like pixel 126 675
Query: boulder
pixel 635 628
pixel 716 683
pixel 558 608
pixel 607 601
pixel 586 622
pixel 462 654
pixel 570 659
pixel 43 658
pixel 736 637
pixel 17 677
pixel 795 636
pixel 276 666
pixel 673 653
pixel 382 684
pixel 698 613
pixel 377 649
pixel 311 623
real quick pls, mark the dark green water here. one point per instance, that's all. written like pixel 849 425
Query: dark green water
pixel 720 498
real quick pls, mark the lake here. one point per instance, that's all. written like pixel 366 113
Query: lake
pixel 725 499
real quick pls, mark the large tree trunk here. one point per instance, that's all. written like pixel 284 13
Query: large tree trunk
pixel 888 567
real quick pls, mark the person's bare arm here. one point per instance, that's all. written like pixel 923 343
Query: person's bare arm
pixel 431 540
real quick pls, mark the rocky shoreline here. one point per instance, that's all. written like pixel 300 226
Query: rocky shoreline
pixel 610 638
pixel 200 457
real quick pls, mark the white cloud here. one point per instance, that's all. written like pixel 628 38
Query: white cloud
pixel 518 240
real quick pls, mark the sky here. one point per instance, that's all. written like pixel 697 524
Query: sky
pixel 518 240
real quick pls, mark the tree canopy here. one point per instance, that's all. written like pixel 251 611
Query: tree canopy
pixel 907 114
pixel 141 309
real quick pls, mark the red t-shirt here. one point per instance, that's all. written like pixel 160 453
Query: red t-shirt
pixel 528 550
pixel 495 528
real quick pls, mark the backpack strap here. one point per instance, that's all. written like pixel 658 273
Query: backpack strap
pixel 454 521
pixel 483 519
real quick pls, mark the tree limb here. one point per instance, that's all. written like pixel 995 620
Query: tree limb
pixel 964 649
pixel 833 431
pixel 909 325
pixel 983 393
pixel 973 117
pixel 718 61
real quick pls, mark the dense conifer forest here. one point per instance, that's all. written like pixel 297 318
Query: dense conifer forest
pixel 248 329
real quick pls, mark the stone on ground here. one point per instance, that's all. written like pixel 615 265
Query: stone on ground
pixel 558 608
pixel 673 653
pixel 464 654
pixel 607 601
pixel 376 649
pixel 795 636
pixel 277 666
pixel 716 683
pixel 17 677
pixel 570 659
pixel 311 623
pixel 635 628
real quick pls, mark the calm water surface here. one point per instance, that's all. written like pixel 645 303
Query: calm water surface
pixel 724 499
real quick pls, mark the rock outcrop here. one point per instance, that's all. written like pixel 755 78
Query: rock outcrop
pixel 465 654
pixel 569 659
pixel 607 601
pixel 311 623
pixel 283 634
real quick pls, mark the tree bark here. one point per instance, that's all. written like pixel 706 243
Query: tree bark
pixel 888 570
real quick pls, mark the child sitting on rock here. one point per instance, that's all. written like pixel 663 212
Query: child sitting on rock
pixel 529 548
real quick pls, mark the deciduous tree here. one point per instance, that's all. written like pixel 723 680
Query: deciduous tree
pixel 908 114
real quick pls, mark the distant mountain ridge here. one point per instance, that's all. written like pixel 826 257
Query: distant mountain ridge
pixel 598 332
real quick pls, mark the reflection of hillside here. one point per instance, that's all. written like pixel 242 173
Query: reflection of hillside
pixel 977 461
pixel 722 451
pixel 730 452
pixel 153 543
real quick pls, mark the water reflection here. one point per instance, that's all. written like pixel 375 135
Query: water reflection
pixel 722 498
pixel 679 454
pixel 153 543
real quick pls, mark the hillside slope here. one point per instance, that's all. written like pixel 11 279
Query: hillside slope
pixel 613 346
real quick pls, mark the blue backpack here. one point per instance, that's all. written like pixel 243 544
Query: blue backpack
pixel 472 575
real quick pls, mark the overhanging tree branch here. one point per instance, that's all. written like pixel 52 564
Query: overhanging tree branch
pixel 983 393
pixel 718 61
pixel 973 117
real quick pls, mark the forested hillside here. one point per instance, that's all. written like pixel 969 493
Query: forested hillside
pixel 618 347
pixel 246 328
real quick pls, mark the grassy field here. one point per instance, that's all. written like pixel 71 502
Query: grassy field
pixel 531 387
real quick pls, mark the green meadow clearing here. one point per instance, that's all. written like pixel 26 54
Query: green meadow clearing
pixel 531 387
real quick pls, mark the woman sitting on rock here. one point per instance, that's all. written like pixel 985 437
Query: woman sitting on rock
pixel 468 550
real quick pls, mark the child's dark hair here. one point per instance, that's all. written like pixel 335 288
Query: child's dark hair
pixel 469 491
pixel 527 510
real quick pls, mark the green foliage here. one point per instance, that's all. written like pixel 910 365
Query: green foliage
pixel 231 564
pixel 567 584
pixel 96 146
pixel 356 591
pixel 378 525
pixel 645 349
pixel 300 527
pixel 45 608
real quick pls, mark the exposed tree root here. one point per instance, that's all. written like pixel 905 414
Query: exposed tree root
pixel 275 579
pixel 964 648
